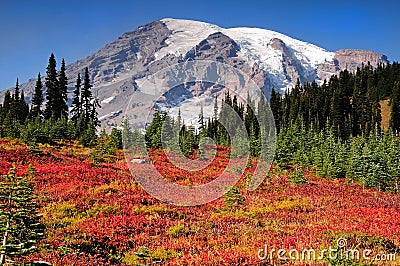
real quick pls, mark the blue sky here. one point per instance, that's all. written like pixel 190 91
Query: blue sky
pixel 31 30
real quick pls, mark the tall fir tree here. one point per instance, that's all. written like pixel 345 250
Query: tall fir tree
pixel 201 122
pixel 76 109
pixel 16 91
pixel 52 91
pixel 276 105
pixel 86 97
pixel 62 94
pixel 216 108
pixel 37 99
pixel 17 105
pixel 23 108
pixel 94 113
pixel 6 105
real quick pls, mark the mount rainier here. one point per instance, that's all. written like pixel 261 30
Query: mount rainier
pixel 270 58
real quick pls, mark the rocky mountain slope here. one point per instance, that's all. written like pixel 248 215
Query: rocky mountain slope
pixel 271 59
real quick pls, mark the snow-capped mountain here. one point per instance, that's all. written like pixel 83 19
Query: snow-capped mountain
pixel 270 58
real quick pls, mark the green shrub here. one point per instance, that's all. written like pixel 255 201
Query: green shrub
pixel 297 177
pixel 233 198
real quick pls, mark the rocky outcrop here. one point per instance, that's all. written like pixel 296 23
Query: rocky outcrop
pixel 217 47
pixel 326 70
pixel 350 59
pixel 292 68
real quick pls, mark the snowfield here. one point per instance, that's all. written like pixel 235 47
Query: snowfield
pixel 253 43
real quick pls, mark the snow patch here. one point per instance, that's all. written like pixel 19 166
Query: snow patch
pixel 108 100
pixel 110 115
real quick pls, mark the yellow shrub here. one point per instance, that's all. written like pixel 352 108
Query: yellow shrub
pixel 292 204
pixel 144 255
pixel 65 214
pixel 62 214
pixel 177 230
pixel 152 209
pixel 102 208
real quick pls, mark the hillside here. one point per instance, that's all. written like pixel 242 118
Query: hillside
pixel 96 214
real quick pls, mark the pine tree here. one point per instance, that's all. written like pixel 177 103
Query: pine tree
pixel 233 198
pixel 6 103
pixel 19 109
pixel 153 131
pixel 201 122
pixel 37 99
pixel 276 105
pixel 10 126
pixel 23 108
pixel 13 111
pixel 52 92
pixel 16 91
pixel 62 97
pixel 116 138
pixel 76 102
pixel 216 108
pixel 89 137
pixel 167 133
pixel 93 113
pixel 86 97
pixel 188 142
pixel 20 227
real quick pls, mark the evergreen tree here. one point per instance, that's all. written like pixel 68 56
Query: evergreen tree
pixel 20 227
pixel 216 108
pixel 13 112
pixel 116 138
pixel 37 99
pixel 10 126
pixel 86 97
pixel 188 142
pixel 89 137
pixel 153 131
pixel 23 108
pixel 233 198
pixel 58 128
pixel 6 104
pixel 19 109
pixel 201 122
pixel 179 121
pixel 276 105
pixel 16 91
pixel 62 97
pixel 76 109
pixel 93 114
pixel 52 92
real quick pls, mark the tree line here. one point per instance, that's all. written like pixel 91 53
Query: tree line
pixel 348 104
pixel 49 118
pixel 336 128
pixel 224 124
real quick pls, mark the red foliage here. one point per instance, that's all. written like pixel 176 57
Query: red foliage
pixel 279 214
